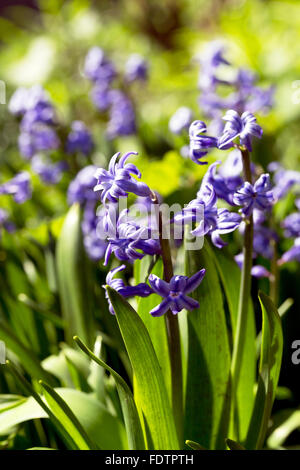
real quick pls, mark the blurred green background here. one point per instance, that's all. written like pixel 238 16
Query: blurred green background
pixel 46 41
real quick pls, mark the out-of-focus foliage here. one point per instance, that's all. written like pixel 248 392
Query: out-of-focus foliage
pixel 45 42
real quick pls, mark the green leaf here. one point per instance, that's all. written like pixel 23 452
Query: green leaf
pixel 131 417
pixel 27 387
pixel 97 376
pixel 233 445
pixel 73 276
pixel 25 410
pixel 40 448
pixel 208 373
pixel 8 401
pixel 269 369
pixel 66 417
pixel 194 445
pixel 58 365
pixel 104 428
pixel 26 357
pixel 156 327
pixel 152 391
pixel 230 275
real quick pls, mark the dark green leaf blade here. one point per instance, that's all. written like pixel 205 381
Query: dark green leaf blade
pixel 230 275
pixel 149 379
pixel 208 374
pixel 156 326
pixel 233 445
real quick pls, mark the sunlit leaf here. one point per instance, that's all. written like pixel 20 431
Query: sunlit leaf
pixel 149 379
pixel 73 279
pixel 131 418
pixel 269 369
pixel 230 275
pixel 208 374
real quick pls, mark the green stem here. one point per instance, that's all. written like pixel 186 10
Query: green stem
pixel 245 291
pixel 173 335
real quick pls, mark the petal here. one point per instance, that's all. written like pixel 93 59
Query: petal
pixel 259 271
pixel 161 309
pixel 111 273
pixel 112 163
pixel 159 286
pixel 125 157
pixel 135 187
pixel 194 281
pixel 189 303
pixel 217 240
pixel 178 283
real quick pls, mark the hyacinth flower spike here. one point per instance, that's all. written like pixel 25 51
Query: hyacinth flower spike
pixel 175 293
pixel 257 196
pixel 127 239
pixel 118 181
pixel 243 127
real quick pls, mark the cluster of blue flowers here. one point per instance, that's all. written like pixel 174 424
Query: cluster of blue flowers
pixel 38 120
pixel 243 93
pixel 225 200
pixel 39 133
pixel 102 73
pixel 19 187
pixel 130 238
pixel 243 99
pixel 227 184
pixel 288 182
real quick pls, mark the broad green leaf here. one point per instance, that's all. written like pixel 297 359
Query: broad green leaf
pixel 25 410
pixel 73 276
pixel 58 366
pixel 66 417
pixel 208 373
pixel 26 357
pixel 27 387
pixel 102 427
pixel 149 379
pixel 131 418
pixel 8 401
pixel 156 326
pixel 230 275
pixel 269 369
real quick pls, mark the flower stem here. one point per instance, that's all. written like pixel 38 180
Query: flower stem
pixel 245 291
pixel 173 335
